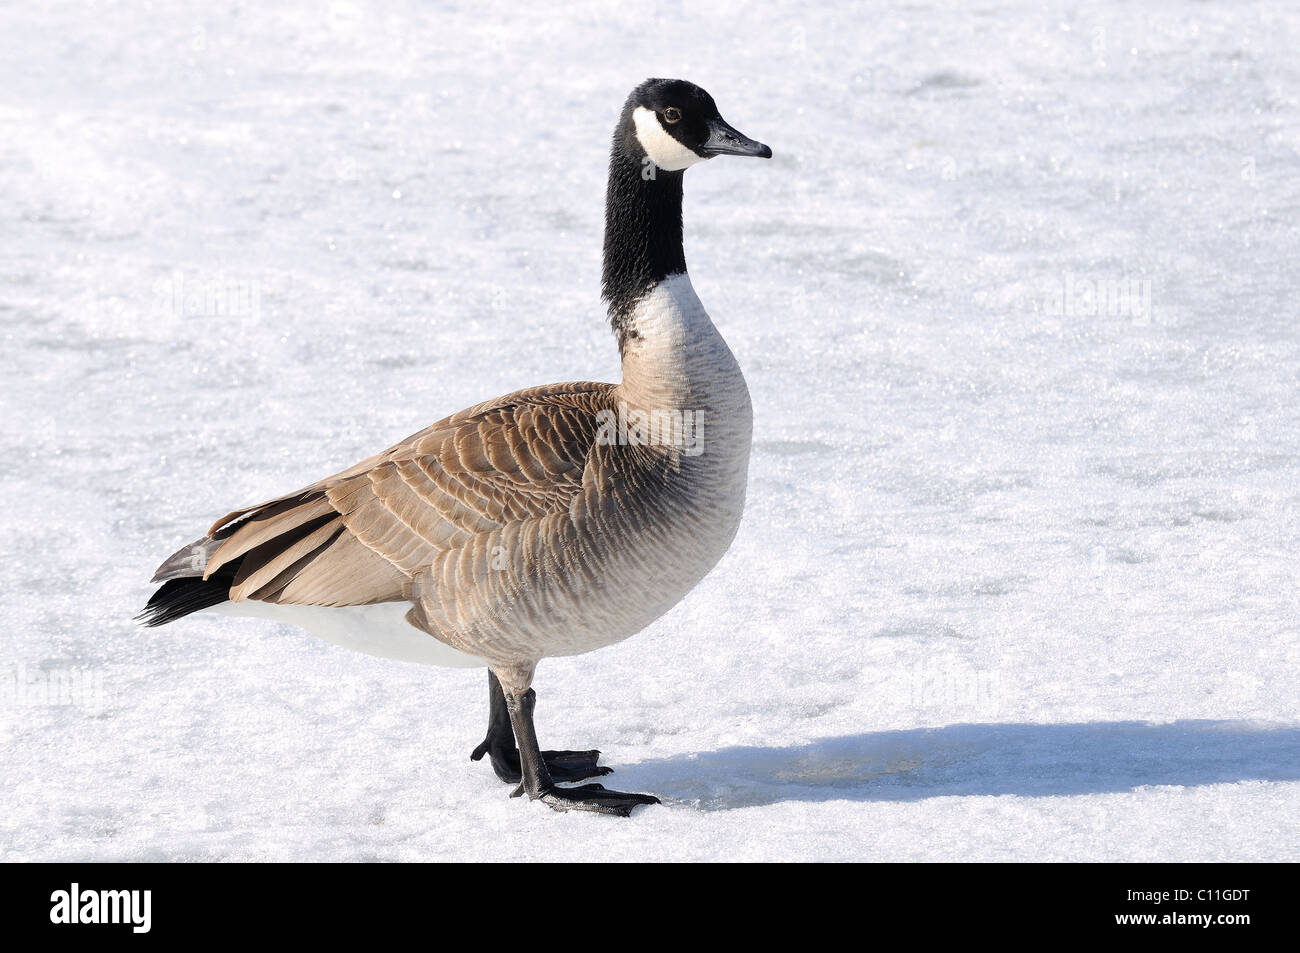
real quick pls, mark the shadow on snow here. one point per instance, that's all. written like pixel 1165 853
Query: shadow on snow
pixel 982 759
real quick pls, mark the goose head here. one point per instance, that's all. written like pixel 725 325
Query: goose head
pixel 675 124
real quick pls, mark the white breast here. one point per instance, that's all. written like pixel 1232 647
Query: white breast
pixel 677 358
pixel 629 548
pixel 677 362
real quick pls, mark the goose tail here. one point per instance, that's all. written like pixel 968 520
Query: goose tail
pixel 179 596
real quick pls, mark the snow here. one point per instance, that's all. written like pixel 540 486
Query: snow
pixel 1018 576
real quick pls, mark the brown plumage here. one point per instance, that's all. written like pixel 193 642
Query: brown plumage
pixel 509 530
pixel 356 537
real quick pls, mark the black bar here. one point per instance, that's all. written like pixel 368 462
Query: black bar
pixel 234 901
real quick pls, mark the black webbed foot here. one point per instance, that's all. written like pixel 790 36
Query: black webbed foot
pixel 591 797
pixel 539 768
pixel 500 746
pixel 562 765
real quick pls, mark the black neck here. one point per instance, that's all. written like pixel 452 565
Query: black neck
pixel 643 231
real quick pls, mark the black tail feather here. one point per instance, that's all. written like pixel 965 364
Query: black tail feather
pixel 179 597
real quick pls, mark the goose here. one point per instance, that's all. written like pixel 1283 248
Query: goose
pixel 552 521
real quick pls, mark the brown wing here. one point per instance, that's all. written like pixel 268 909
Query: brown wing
pixel 356 537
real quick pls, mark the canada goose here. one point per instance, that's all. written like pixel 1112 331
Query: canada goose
pixel 552 521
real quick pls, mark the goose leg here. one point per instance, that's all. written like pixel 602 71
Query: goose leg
pixel 499 745
pixel 540 786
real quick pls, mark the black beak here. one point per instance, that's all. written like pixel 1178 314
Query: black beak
pixel 725 141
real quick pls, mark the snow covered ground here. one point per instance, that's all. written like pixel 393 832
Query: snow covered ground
pixel 1016 299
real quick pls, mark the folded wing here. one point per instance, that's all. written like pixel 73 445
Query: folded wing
pixel 357 537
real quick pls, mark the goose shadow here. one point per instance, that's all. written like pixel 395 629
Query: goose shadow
pixel 978 759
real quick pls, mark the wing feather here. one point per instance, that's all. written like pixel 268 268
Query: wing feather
pixel 441 499
pixel 265 526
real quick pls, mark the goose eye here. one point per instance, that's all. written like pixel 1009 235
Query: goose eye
pixel 672 114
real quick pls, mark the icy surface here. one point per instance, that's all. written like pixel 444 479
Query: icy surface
pixel 1017 580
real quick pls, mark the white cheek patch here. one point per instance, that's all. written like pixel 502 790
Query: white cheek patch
pixel 664 151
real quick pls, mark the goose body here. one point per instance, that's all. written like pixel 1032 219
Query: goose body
pixel 551 521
